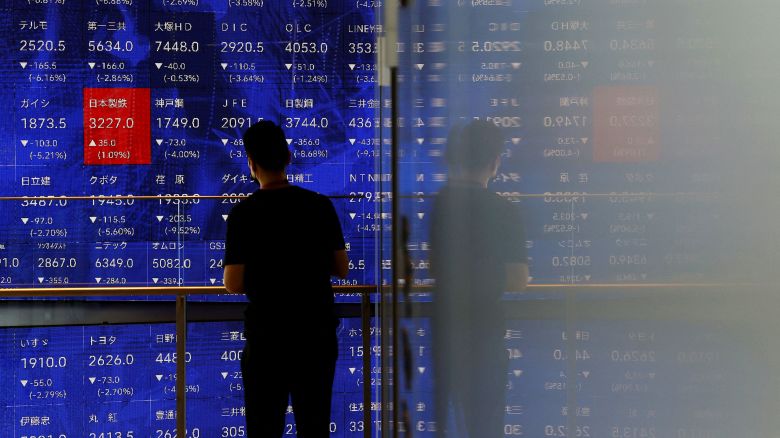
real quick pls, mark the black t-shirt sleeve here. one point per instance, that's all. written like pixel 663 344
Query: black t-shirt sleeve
pixel 334 238
pixel 235 242
pixel 512 241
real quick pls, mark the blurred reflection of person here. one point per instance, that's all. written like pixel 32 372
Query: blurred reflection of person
pixel 478 253
pixel 283 244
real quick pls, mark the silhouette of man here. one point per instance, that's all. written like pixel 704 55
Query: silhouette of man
pixel 478 253
pixel 283 244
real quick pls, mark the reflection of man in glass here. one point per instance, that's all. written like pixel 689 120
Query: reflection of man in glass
pixel 478 244
pixel 283 244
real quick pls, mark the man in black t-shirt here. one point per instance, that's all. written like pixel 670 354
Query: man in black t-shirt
pixel 283 244
pixel 478 253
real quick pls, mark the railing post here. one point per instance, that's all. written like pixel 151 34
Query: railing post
pixel 365 317
pixel 181 361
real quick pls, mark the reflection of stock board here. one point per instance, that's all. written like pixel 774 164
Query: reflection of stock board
pixel 151 98
pixel 622 121
pixel 613 115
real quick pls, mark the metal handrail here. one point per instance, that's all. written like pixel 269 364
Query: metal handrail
pixel 142 290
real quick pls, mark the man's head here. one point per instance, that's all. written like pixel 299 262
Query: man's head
pixel 266 147
pixel 474 149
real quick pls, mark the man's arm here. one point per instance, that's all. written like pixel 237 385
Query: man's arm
pixel 234 278
pixel 334 238
pixel 340 264
pixel 516 276
pixel 236 250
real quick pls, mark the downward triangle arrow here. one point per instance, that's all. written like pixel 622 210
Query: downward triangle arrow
pixel 155 280
pixel 97 279
pixel 159 141
pixel 351 66
pixel 352 141
pixel 420 140
pixel 289 141
pixel 420 215
pixel 160 218
pixel 159 377
pixel 93 219
pixel 25 220
pixel 24 382
pixel 352 215
pixel 352 370
pixel 517 373
pixel 224 142
pixel 587 278
pixel 224 217
pixel 584 215
pixel 92 380
pixel 224 374
pixel 516 65
pixel 421 369
pixel 24 142
pixel 23 64
pixel 40 279
pixel 224 65
pixel 158 65
pixel 419 66
pixel 91 65
pixel 289 66
pixel 586 374
pixel 585 64
pixel 516 140
pixel 584 140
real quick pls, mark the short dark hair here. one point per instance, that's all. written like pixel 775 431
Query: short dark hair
pixel 474 146
pixel 266 145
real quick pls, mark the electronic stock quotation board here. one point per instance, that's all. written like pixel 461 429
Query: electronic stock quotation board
pixel 144 98
pixel 150 98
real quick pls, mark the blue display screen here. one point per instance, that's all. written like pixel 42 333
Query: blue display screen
pixel 151 98
pixel 112 381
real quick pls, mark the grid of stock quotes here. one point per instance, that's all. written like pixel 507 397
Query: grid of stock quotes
pixel 148 98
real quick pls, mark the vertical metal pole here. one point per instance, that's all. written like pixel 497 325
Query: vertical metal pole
pixel 571 353
pixel 365 316
pixel 396 271
pixel 388 63
pixel 181 373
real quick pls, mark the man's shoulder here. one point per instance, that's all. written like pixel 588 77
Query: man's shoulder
pixel 245 204
pixel 300 191
pixel 261 199
pixel 469 194
pixel 483 202
pixel 309 195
